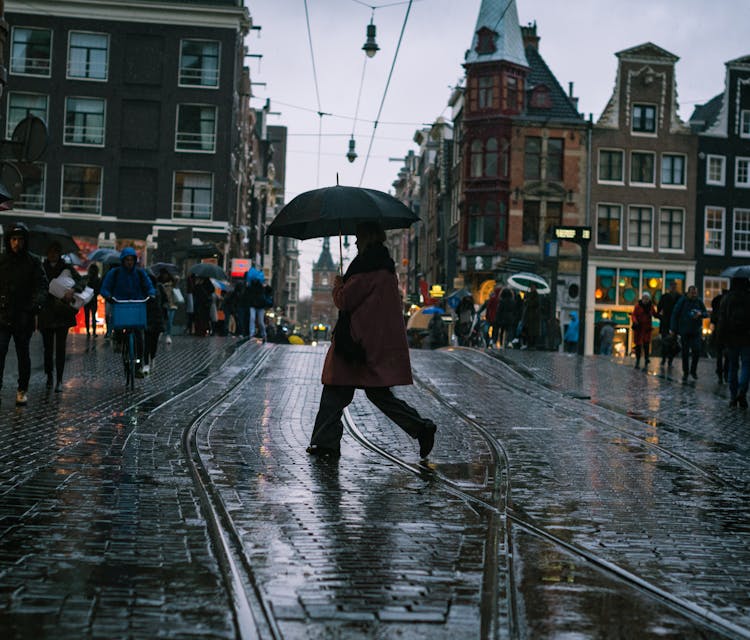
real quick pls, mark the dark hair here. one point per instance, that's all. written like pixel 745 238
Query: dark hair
pixel 371 230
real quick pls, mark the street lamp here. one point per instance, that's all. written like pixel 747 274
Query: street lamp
pixel 370 47
pixel 351 155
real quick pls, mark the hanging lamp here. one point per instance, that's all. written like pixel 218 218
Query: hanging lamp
pixel 370 47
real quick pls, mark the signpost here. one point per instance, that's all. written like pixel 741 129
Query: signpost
pixel 580 236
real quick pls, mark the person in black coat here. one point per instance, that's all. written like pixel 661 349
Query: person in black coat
pixel 23 289
pixel 154 323
pixel 89 309
pixel 722 361
pixel 687 321
pixel 57 315
pixel 664 312
pixel 734 332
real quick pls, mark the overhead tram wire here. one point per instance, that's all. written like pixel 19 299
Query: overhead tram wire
pixel 385 92
pixel 336 115
pixel 321 113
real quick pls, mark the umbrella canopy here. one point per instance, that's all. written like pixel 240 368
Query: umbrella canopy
pixel 456 296
pixel 523 281
pixel 208 270
pixel 100 255
pixel 742 271
pixel 220 284
pixel 331 211
pixel 431 310
pixel 112 260
pixel 169 267
pixel 421 319
pixel 41 237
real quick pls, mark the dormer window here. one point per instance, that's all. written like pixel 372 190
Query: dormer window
pixel 541 98
pixel 486 41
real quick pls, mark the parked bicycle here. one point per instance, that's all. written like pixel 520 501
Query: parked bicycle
pixel 129 318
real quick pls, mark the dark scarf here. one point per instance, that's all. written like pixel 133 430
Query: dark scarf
pixel 374 258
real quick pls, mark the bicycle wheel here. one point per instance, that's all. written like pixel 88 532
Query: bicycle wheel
pixel 131 353
pixel 125 357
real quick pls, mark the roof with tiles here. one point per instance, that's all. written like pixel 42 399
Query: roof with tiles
pixel 500 18
pixel 561 108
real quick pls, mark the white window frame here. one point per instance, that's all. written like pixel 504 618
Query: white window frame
pixel 721 231
pixel 213 195
pixel 180 83
pixel 745 123
pixel 630 168
pixel 723 161
pixel 712 287
pixel 9 121
pixel 87 78
pixel 651 134
pixel 618 206
pixel 599 179
pixel 740 232
pixel 674 185
pixel 211 137
pixel 664 249
pixel 48 74
pixel 97 200
pixel 69 143
pixel 638 247
pixel 22 203
pixel 737 162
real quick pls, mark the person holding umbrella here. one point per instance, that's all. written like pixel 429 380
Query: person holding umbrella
pixel 369 349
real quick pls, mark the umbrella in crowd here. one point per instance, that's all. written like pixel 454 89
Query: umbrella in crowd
pixel 41 237
pixel 432 310
pixel 208 270
pixel 742 271
pixel 333 211
pixel 169 267
pixel 220 284
pixel 100 255
pixel 523 281
pixel 456 296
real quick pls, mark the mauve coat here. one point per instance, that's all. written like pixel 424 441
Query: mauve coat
pixel 642 316
pixel 377 322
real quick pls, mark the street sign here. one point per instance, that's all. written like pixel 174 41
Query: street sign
pixel 579 235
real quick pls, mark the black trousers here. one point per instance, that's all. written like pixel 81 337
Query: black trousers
pixel 54 341
pixel 21 338
pixel 328 427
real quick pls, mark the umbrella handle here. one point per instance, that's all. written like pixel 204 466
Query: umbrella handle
pixel 341 255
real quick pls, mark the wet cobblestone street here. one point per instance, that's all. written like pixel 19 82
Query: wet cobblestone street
pixel 565 497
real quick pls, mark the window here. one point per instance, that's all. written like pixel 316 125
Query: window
pixel 531 222
pixel 511 93
pixel 533 158
pixel 712 287
pixel 608 225
pixel 490 158
pixel 742 172
pixel 555 159
pixel 476 159
pixel 605 291
pixel 32 196
pixel 84 121
pixel 196 128
pixel 553 218
pixel 82 189
pixel 199 63
pixel 671 225
pixel 715 170
pixel 485 92
pixel 642 167
pixel 21 105
pixel 486 224
pixel 505 157
pixel 610 165
pixel 713 241
pixel 88 55
pixel 745 123
pixel 644 118
pixel 31 51
pixel 741 235
pixel 193 195
pixel 673 170
pixel 540 98
pixel 640 227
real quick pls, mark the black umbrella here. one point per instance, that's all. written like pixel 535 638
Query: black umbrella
pixel 208 270
pixel 742 271
pixel 169 267
pixel 333 211
pixel 41 237
pixel 101 255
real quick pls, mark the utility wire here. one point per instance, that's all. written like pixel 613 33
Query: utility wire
pixel 317 91
pixel 335 115
pixel 385 92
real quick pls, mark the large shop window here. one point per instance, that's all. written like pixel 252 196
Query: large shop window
pixel 193 195
pixel 199 63
pixel 31 52
pixel 608 225
pixel 82 189
pixel 623 287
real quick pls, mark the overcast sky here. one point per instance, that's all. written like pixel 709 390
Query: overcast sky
pixel 578 41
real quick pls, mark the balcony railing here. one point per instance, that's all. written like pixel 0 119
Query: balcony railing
pixel 196 141
pixel 84 134
pixel 30 66
pixel 29 201
pixel 77 204
pixel 199 77
pixel 188 210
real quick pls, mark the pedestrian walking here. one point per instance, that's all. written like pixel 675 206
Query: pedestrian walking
pixel 532 317
pixel 154 323
pixel 89 309
pixel 489 307
pixel 503 329
pixel 687 322
pixel 57 315
pixel 203 292
pixel 606 339
pixel 465 319
pixel 256 296
pixel 734 330
pixel 667 302
pixel 169 301
pixel 23 290
pixel 642 318
pixel 722 360
pixel 371 324
pixel 570 339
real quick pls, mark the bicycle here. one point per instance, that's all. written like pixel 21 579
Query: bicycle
pixel 129 316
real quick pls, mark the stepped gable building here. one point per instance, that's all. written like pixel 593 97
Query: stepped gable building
pixel 642 193
pixel 722 233
pixel 142 102
pixel 523 148
pixel 323 272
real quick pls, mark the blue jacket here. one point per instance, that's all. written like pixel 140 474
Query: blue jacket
pixel 571 333
pixel 687 316
pixel 127 284
pixel 254 274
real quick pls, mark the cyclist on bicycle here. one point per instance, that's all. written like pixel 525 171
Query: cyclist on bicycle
pixel 129 282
